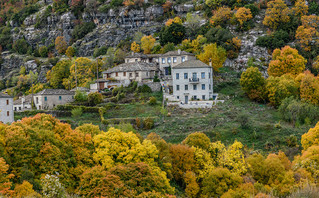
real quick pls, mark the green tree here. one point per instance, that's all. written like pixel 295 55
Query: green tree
pixel 174 33
pixel 59 72
pixel 253 83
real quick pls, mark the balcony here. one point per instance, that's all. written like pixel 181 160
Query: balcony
pixel 194 80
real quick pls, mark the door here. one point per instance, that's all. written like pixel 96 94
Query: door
pixel 186 99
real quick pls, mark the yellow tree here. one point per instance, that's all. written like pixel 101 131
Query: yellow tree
pixel 253 83
pixel 135 47
pixel 215 54
pixel 5 177
pixel 176 20
pixel 309 87
pixel 197 44
pixel 311 138
pixel 25 190
pixel 243 14
pixel 147 44
pixel 60 44
pixel 221 16
pixel 70 52
pixel 276 13
pixel 307 34
pixel 286 60
pixel 300 9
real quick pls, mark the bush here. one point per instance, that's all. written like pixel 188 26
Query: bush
pixel 254 9
pixel 174 33
pixel 148 123
pixel 99 51
pixel 277 40
pixel 95 98
pixel 82 29
pixel 80 96
pixel 43 51
pixel 144 89
pixel 152 101
pixel 21 46
pixel 77 112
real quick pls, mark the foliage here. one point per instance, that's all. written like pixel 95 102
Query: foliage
pixel 82 29
pixel 100 51
pixel 51 187
pixel 70 52
pixel 276 14
pixel 80 96
pixel 60 44
pixel 176 20
pixel 309 87
pixel 135 47
pixel 94 98
pixel 192 25
pixel 59 72
pixel 311 138
pixel 253 83
pixel 213 3
pixel 278 39
pixel 221 16
pixel 152 101
pixel 174 33
pixel 43 51
pixel 300 9
pixel 307 34
pixel 279 88
pixel 25 190
pixel 284 61
pixel 76 112
pixel 243 14
pixel 147 44
pixel 5 183
pixel 197 139
pixel 20 46
pixel 214 54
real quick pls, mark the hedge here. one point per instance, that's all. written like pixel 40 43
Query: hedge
pixel 84 108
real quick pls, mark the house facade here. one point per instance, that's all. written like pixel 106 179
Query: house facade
pixel 50 98
pixel 192 81
pixel 140 57
pixel 23 103
pixel 170 59
pixel 6 108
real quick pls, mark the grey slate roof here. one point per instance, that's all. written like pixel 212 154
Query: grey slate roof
pixel 55 92
pixel 27 100
pixel 3 95
pixel 136 55
pixel 175 53
pixel 132 67
pixel 192 64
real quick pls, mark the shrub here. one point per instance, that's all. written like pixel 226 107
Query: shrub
pixel 254 9
pixel 95 98
pixel 144 89
pixel 174 33
pixel 99 51
pixel 77 112
pixel 80 96
pixel 21 46
pixel 276 40
pixel 152 101
pixel 82 29
pixel 148 123
pixel 43 51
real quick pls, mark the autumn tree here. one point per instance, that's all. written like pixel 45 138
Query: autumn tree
pixel 279 88
pixel 135 47
pixel 276 14
pixel 174 33
pixel 300 9
pixel 309 87
pixel 287 60
pixel 58 72
pixel 70 52
pixel 219 181
pixel 60 44
pixel 214 54
pixel 192 188
pixel 197 139
pixel 197 44
pixel 242 15
pixel 307 34
pixel 176 20
pixel 5 183
pixel 213 3
pixel 221 16
pixel 147 44
pixel 167 6
pixel 25 190
pixel 253 83
pixel 311 138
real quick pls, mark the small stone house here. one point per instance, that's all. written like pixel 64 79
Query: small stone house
pixel 6 108
pixel 50 98
pixel 192 80
pixel 140 57
pixel 125 73
pixel 23 103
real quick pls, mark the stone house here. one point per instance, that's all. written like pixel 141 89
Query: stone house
pixel 192 80
pixel 6 108
pixel 23 103
pixel 140 57
pixel 172 58
pixel 125 73
pixel 50 98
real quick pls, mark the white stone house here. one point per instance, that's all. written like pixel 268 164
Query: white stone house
pixel 126 73
pixel 23 103
pixel 50 98
pixel 140 57
pixel 192 81
pixel 172 58
pixel 6 108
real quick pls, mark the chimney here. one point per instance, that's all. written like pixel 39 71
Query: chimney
pixel 179 51
pixel 210 62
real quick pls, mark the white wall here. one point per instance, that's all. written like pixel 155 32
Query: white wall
pixel 5 109
pixel 52 101
pixel 172 63
pixel 199 92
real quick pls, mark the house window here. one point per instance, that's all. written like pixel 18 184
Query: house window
pixel 136 74
pixel 45 98
pixel 163 60
pixel 15 108
pixel 210 87
pixel 169 60
pixel 209 74
pixel 186 87
pixel 135 60
pixel 203 75
pixel 37 100
pixel 183 58
pixel 203 97
pixel 195 97
pixel 19 108
pixel 124 73
pixel 203 87
pixel 7 102
pixel 177 87
pixel 8 113
pixel 194 87
pixel 194 75
pixel 131 74
pixel 177 76
pixel 60 97
pixel 174 59
pixel 116 74
pixel 177 97
pixel 185 75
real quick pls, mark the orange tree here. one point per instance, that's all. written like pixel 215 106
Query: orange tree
pixel 284 61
